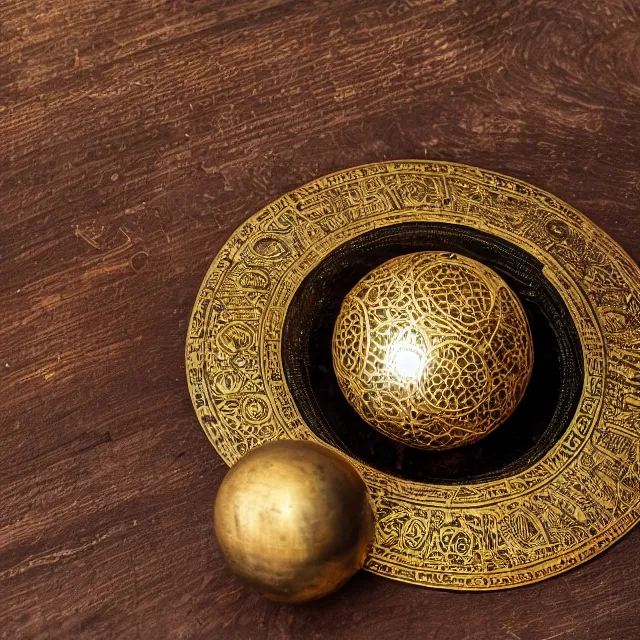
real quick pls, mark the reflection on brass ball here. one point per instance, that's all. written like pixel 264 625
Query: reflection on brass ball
pixel 432 349
pixel 294 520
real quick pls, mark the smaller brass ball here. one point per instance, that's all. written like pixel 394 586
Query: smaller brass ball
pixel 294 520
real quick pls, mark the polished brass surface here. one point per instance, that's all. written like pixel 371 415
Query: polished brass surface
pixel 565 508
pixel 432 349
pixel 293 519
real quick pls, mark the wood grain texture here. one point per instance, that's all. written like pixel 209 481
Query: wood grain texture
pixel 134 136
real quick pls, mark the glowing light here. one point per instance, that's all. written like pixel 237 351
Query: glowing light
pixel 407 357
pixel 406 363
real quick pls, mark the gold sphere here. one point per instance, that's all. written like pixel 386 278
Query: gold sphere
pixel 432 349
pixel 294 520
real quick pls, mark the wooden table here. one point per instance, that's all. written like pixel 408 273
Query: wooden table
pixel 134 136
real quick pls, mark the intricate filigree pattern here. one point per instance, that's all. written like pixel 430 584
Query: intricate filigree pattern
pixel 433 349
pixel 572 504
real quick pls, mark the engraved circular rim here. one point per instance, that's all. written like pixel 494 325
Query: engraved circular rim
pixel 576 501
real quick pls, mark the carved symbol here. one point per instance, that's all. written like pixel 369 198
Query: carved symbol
pixel 234 337
pixel 270 248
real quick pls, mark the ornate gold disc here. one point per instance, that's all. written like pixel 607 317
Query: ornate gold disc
pixel 433 349
pixel 575 501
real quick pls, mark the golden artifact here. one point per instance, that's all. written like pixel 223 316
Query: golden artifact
pixel 555 512
pixel 432 349
pixel 294 520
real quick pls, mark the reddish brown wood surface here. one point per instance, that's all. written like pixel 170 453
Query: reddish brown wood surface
pixel 134 136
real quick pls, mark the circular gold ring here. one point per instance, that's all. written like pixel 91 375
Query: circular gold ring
pixel 578 499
